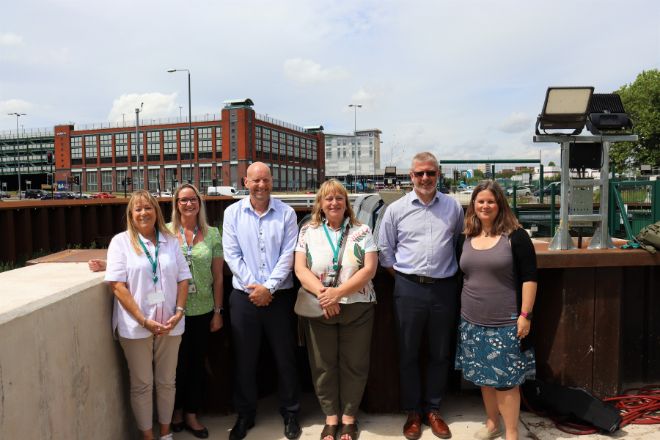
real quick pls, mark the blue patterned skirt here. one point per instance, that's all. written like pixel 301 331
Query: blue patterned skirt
pixel 491 356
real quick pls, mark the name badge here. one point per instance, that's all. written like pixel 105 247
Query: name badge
pixel 192 288
pixel 157 297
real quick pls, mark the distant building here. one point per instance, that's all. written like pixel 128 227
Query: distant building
pixel 104 158
pixel 341 151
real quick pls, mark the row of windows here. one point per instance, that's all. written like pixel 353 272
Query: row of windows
pixel 203 134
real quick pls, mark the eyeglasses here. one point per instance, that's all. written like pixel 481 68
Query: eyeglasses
pixel 431 173
pixel 185 200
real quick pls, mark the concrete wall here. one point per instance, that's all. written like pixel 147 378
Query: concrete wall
pixel 62 375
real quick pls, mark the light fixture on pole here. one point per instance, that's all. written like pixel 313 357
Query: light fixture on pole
pixel 565 108
pixel 355 107
pixel 190 136
pixel 18 167
pixel 137 140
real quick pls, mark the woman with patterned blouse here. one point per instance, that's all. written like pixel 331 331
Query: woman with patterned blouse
pixel 202 248
pixel 338 342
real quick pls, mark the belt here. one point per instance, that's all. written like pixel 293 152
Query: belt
pixel 419 279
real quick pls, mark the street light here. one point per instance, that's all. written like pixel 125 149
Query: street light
pixel 355 107
pixel 190 136
pixel 18 115
pixel 137 139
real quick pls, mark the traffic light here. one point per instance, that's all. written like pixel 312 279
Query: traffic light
pixel 76 180
pixel 49 158
pixel 129 181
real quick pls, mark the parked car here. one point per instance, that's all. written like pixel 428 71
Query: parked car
pixel 103 195
pixel 34 193
pixel 162 194
pixel 4 195
pixel 82 196
pixel 520 191
pixel 547 189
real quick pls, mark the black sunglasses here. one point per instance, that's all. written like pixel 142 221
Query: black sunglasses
pixel 428 173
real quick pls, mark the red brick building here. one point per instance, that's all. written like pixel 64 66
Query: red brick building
pixel 104 159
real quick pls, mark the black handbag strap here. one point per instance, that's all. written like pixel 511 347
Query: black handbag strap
pixel 344 239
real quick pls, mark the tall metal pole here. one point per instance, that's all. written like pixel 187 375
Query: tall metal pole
pixel 137 140
pixel 190 136
pixel 355 107
pixel 18 149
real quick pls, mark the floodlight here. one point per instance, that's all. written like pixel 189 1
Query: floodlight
pixel 606 114
pixel 565 108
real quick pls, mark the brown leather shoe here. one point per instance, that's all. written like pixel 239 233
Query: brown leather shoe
pixel 438 426
pixel 412 430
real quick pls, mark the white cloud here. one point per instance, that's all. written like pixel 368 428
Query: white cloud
pixel 156 105
pixel 307 71
pixel 15 105
pixel 516 122
pixel 9 39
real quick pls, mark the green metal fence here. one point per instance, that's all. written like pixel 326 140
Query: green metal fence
pixel 633 205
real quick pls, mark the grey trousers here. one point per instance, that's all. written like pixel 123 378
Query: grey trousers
pixel 338 350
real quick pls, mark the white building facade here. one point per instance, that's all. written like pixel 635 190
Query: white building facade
pixel 353 154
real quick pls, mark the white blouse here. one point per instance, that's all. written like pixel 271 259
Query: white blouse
pixel 125 265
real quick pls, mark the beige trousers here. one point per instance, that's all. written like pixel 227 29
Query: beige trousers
pixel 152 360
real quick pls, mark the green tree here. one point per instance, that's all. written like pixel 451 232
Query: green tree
pixel 641 99
pixel 551 164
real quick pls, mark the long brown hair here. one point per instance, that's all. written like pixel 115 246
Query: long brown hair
pixel 202 223
pixel 332 186
pixel 130 226
pixel 505 222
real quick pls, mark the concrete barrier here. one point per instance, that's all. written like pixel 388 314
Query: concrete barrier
pixel 62 375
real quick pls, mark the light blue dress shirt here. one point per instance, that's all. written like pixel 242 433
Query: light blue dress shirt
pixel 420 239
pixel 259 248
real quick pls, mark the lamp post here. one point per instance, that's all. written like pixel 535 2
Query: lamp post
pixel 18 115
pixel 355 107
pixel 137 140
pixel 190 136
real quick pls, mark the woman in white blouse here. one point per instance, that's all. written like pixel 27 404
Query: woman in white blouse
pixel 148 275
pixel 338 342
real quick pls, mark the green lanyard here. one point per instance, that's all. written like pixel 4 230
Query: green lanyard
pixel 154 263
pixel 335 248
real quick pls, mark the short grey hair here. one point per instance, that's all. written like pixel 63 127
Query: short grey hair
pixel 424 157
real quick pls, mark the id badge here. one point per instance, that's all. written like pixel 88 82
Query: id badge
pixel 192 288
pixel 329 278
pixel 156 297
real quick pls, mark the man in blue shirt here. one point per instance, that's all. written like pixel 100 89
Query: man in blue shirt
pixel 258 238
pixel 417 241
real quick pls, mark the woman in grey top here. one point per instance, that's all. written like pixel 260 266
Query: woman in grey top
pixel 498 263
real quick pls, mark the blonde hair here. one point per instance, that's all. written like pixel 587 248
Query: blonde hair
pixel 202 223
pixel 505 222
pixel 332 186
pixel 130 226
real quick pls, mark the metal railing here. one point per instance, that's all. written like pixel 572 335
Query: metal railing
pixel 274 121
pixel 635 204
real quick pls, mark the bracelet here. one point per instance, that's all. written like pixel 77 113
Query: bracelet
pixel 220 310
pixel 526 315
pixel 180 309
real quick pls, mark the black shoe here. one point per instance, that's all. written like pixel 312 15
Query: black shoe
pixel 177 426
pixel 199 433
pixel 241 427
pixel 291 426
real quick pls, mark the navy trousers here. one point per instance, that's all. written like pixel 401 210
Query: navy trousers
pixel 249 325
pixel 419 308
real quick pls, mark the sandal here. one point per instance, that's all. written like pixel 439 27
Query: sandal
pixel 329 431
pixel 350 430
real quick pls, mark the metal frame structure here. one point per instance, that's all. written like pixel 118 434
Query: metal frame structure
pixel 601 239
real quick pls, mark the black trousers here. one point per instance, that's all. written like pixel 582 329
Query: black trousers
pixel 190 371
pixel 249 324
pixel 419 308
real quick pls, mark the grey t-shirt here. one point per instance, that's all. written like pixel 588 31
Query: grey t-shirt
pixel 489 290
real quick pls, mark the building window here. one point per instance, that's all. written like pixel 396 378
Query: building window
pixel 170 179
pixel 185 145
pixel 90 149
pixel 205 143
pixel 76 150
pixel 137 148
pixel 204 179
pixel 106 181
pixel 120 176
pixel 169 145
pixel 92 181
pixel 218 142
pixel 218 174
pixel 328 154
pixel 153 146
pixel 154 180
pixel 121 148
pixel 186 174
pixel 105 144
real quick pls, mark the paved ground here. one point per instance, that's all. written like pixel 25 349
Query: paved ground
pixel 463 413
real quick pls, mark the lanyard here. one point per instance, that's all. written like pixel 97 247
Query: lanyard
pixel 154 263
pixel 189 247
pixel 335 248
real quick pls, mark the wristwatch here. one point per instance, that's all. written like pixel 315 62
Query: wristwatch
pixel 180 309
pixel 527 315
pixel 219 310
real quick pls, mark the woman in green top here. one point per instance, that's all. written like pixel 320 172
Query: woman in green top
pixel 202 247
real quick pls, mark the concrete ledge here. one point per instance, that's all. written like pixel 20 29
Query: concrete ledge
pixel 62 375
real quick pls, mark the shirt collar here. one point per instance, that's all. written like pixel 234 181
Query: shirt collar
pixel 248 206
pixel 161 238
pixel 343 223
pixel 414 197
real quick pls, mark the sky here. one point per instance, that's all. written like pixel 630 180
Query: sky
pixel 464 79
